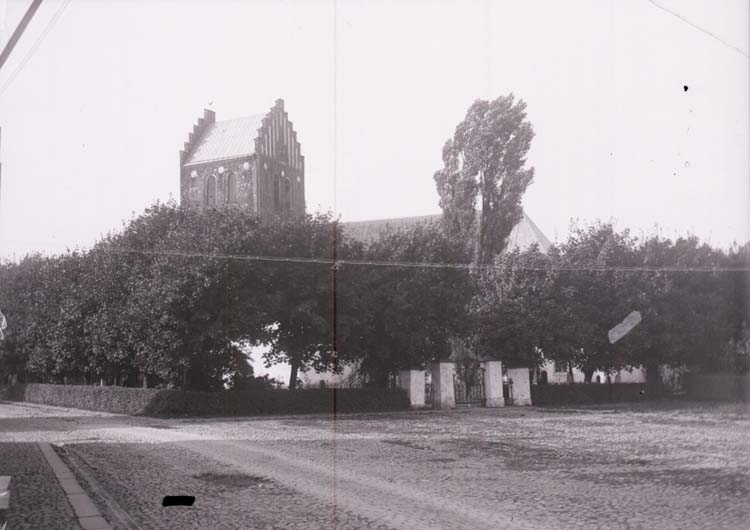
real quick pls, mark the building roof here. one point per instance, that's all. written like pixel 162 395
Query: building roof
pixel 523 235
pixel 227 139
pixel 526 233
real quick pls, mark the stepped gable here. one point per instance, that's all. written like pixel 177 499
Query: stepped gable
pixel 253 163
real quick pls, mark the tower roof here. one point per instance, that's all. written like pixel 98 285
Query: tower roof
pixel 227 139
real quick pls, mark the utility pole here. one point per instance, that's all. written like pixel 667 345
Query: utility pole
pixel 19 31
pixel 12 44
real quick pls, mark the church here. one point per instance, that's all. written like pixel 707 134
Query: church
pixel 253 163
pixel 256 163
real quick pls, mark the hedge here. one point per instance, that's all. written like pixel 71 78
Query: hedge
pixel 109 399
pixel 717 387
pixel 158 402
pixel 594 393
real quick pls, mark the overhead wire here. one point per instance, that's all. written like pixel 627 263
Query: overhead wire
pixel 35 47
pixel 413 264
pixel 699 28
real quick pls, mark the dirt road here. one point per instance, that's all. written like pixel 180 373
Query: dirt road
pixel 661 467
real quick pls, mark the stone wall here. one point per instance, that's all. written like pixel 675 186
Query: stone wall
pixel 717 387
pixel 594 393
pixel 158 402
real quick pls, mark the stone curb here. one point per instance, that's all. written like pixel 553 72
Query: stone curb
pixel 87 513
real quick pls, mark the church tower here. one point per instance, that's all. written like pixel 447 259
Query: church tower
pixel 253 163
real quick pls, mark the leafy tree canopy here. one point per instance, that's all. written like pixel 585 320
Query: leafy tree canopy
pixel 485 163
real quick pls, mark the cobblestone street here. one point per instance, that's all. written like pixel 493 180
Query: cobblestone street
pixel 664 465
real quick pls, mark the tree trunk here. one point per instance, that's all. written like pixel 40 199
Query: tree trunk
pixel 480 248
pixel 588 373
pixel 293 374
pixel 652 374
pixel 653 378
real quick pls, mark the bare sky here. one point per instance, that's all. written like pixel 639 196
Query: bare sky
pixel 92 124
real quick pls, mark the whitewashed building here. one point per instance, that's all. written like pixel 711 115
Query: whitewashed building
pixel 557 374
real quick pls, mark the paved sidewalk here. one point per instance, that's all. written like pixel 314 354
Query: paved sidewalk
pixel 86 512
pixel 37 500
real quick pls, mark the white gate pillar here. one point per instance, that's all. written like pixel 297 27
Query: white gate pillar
pixel 493 384
pixel 413 382
pixel 521 385
pixel 442 386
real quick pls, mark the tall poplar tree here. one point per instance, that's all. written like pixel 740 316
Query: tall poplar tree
pixel 485 175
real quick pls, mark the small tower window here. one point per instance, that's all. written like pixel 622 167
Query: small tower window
pixel 251 193
pixel 231 188
pixel 287 203
pixel 209 192
pixel 276 194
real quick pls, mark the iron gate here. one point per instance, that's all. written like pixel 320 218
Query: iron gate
pixel 469 393
pixel 508 391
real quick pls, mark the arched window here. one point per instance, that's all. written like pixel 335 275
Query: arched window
pixel 287 201
pixel 231 190
pixel 276 194
pixel 209 192
pixel 251 193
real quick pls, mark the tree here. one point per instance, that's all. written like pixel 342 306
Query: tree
pixel 24 303
pixel 67 339
pixel 598 292
pixel 520 314
pixel 175 312
pixel 737 283
pixel 486 160
pixel 302 320
pixel 406 315
pixel 700 313
pixel 47 303
pixel 652 342
pixel 687 314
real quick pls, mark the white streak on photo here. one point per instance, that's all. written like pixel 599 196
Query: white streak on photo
pixel 624 327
